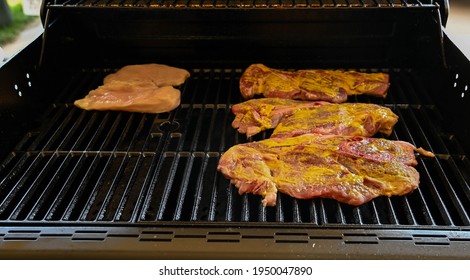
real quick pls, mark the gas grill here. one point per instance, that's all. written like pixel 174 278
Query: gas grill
pixel 91 184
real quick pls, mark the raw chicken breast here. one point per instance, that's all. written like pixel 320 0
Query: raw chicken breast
pixel 137 88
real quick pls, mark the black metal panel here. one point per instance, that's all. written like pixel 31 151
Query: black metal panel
pixel 354 37
pixel 207 242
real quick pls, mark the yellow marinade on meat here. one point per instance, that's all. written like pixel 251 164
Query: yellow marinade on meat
pixel 353 119
pixel 311 84
pixel 333 81
pixel 349 169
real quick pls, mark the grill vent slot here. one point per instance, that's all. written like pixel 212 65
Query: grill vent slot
pixel 360 238
pixel 313 237
pixel 291 237
pixel 430 240
pixel 230 237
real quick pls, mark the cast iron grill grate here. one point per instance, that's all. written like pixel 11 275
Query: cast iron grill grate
pixel 111 167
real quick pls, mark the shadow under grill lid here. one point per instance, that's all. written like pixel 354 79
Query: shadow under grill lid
pixel 117 167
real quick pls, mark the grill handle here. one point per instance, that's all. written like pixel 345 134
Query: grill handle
pixel 444 10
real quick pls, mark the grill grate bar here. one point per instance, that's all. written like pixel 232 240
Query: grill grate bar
pixel 412 119
pixel 279 207
pixel 357 215
pixel 313 212
pixel 444 213
pixel 459 177
pixel 72 208
pixel 29 189
pixel 392 216
pixel 376 213
pixel 214 197
pixel 245 215
pixel 296 212
pixel 183 189
pixel 231 201
pixel 408 136
pixel 340 215
pixel 420 199
pixel 52 212
pixel 104 212
pixel 49 190
pixel 149 182
pixel 168 186
pixel 323 215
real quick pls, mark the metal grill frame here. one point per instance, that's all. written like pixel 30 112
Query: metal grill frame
pixel 414 236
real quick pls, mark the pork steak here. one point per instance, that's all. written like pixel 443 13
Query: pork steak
pixel 351 119
pixel 316 85
pixel 350 169
pixel 256 115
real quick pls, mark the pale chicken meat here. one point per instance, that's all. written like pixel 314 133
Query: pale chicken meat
pixel 136 96
pixel 144 88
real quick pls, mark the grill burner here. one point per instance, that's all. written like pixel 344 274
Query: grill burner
pixel 117 167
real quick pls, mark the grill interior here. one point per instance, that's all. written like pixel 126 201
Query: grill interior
pixel 116 167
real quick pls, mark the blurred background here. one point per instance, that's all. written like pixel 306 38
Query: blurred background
pixel 458 24
pixel 20 24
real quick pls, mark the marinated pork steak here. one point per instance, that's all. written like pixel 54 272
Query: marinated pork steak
pixel 137 88
pixel 256 115
pixel 350 169
pixel 325 85
pixel 352 119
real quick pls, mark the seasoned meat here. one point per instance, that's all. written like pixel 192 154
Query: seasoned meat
pixel 325 85
pixel 350 169
pixel 353 119
pixel 137 88
pixel 256 115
